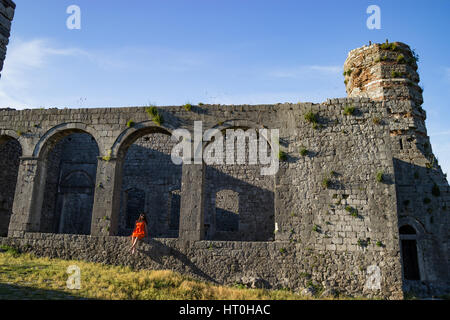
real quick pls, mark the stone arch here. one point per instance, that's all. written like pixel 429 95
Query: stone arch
pixel 55 134
pixel 128 136
pixel 72 180
pixel 10 152
pixel 144 153
pixel 254 192
pixel 237 124
pixel 416 224
pixel 69 157
pixel 8 135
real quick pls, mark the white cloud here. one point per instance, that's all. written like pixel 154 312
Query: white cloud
pixel 23 59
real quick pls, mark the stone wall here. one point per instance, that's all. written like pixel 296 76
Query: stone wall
pixel 355 170
pixel 274 265
pixel 7 8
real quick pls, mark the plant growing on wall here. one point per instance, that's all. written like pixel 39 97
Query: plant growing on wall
pixel 376 120
pixel 389 46
pixel 158 119
pixel 282 156
pixel 130 123
pixel 353 211
pixel 153 113
pixel 108 156
pixel 435 191
pixel 187 107
pixel 400 58
pixel 349 110
pixel 380 176
pixel 311 117
pixel 303 151
pixel 326 182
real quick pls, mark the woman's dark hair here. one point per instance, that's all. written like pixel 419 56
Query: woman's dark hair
pixel 142 217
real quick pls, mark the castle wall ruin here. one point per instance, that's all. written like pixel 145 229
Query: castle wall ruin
pixel 359 204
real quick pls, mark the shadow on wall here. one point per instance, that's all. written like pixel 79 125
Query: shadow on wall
pixel 236 209
pixel 70 184
pixel 151 183
pixel 10 153
pixel 158 250
pixel 423 221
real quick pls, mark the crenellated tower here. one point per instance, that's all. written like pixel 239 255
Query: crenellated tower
pixel 387 72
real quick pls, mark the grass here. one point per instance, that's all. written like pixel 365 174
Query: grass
pixel 130 123
pixel 282 156
pixel 311 117
pixel 353 211
pixel 376 120
pixel 435 191
pixel 158 119
pixel 348 72
pixel 23 276
pixel 303 152
pixel 326 182
pixel 400 58
pixel 379 177
pixel 153 113
pixel 349 110
pixel 108 156
pixel 389 46
pixel 396 74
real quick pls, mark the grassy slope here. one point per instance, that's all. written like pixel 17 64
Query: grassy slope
pixel 23 276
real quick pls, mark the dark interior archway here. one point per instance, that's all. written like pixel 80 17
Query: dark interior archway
pixel 410 260
pixel 71 166
pixel 10 153
pixel 150 181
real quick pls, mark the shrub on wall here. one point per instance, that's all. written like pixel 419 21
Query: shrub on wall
pixel 349 110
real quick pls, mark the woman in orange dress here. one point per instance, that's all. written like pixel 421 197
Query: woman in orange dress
pixel 139 232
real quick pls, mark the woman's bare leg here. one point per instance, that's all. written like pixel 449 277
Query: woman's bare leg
pixel 133 247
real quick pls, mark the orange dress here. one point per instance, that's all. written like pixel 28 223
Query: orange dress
pixel 139 231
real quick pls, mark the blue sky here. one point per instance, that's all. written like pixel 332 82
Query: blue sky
pixel 169 52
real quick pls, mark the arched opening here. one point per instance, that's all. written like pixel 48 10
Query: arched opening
pixel 239 200
pixel 149 178
pixel 10 153
pixel 408 242
pixel 71 164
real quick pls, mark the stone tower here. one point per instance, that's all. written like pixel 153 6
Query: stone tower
pixel 388 72
pixel 7 8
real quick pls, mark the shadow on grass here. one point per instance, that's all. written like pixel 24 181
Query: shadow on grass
pixel 16 292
